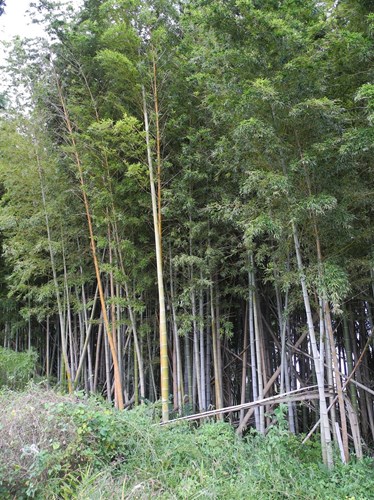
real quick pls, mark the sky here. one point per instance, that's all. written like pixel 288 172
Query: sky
pixel 15 21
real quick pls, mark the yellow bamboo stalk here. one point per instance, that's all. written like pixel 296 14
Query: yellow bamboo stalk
pixel 164 363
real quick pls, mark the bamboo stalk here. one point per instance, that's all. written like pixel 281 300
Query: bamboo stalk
pixel 55 281
pixel 310 433
pixel 117 378
pixel 164 363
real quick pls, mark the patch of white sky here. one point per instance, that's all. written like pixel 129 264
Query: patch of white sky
pixel 16 22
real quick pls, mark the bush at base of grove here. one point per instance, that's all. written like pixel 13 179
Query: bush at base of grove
pixel 66 447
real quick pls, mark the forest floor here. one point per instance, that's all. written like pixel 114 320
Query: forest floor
pixel 57 446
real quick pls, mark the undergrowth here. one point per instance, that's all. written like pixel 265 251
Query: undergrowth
pixel 16 368
pixel 62 447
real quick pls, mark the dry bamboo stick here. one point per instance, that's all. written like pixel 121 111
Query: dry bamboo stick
pixel 295 395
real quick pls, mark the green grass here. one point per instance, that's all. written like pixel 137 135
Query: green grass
pixel 84 449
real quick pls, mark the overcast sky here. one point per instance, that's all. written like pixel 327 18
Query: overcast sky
pixel 15 21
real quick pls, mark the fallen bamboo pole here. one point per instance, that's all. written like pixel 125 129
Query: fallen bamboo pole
pixel 305 393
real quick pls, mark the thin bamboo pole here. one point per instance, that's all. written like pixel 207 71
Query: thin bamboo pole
pixel 164 364
pixel 77 160
pixel 325 427
pixel 55 281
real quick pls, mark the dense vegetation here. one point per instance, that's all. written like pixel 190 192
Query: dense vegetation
pixel 16 368
pixel 188 184
pixel 79 448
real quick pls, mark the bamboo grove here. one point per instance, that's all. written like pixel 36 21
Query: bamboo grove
pixel 189 184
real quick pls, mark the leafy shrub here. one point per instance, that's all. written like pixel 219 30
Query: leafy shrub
pixel 16 368
pixel 53 439
pixel 86 449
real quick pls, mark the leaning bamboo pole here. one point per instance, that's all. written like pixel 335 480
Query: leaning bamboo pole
pixel 303 394
pixel 77 160
pixel 348 379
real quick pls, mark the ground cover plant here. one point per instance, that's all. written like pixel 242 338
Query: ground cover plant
pixel 58 446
